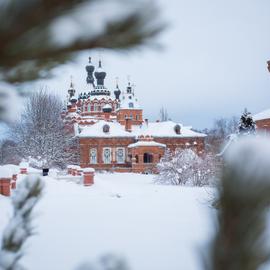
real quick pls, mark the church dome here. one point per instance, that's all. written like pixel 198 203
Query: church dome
pixel 90 67
pixel 100 74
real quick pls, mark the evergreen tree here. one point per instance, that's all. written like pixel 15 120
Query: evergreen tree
pixel 246 124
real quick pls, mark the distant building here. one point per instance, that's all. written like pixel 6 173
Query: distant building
pixel 112 132
pixel 262 121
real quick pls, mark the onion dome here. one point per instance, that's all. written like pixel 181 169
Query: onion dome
pixel 117 92
pixel 100 74
pixel 84 95
pixel 73 100
pixel 90 70
pixel 107 108
pixel 71 90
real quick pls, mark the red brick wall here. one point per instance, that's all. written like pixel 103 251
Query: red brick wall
pixel 121 116
pixel 99 143
pixel 263 125
pixel 140 166
pixel 87 143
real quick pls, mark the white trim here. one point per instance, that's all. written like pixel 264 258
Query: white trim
pixel 124 155
pixel 110 157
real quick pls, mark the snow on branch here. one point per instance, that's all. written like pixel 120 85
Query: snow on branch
pixel 185 167
pixel 243 204
pixel 19 229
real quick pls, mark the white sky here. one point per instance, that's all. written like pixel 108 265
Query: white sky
pixel 213 63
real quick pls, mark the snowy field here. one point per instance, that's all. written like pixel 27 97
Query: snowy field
pixel 151 226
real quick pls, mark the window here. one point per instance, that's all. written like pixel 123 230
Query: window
pixel 131 116
pixel 137 117
pixel 88 107
pixel 147 158
pixel 130 105
pixel 95 107
pixel 93 156
pixel 120 155
pixel 107 155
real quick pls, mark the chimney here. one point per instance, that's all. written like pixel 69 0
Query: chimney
pixel 128 124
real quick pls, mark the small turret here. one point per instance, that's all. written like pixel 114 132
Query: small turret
pixel 71 90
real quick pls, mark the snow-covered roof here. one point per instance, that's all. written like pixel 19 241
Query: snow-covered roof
pixel 146 143
pixel 166 129
pixel 156 129
pixel 107 106
pixel 262 115
pixel 96 130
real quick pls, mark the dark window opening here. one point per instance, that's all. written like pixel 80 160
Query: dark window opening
pixel 147 158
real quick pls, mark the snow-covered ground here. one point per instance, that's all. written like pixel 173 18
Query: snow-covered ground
pixel 151 226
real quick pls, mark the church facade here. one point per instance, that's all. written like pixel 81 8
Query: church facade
pixel 112 132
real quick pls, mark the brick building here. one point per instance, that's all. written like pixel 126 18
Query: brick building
pixel 262 121
pixel 112 132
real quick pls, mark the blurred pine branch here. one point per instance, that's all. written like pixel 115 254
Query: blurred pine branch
pixel 28 50
pixel 240 242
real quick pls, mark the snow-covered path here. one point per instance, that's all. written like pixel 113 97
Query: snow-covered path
pixel 151 226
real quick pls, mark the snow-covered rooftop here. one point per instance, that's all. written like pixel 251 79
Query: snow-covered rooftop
pixel 146 143
pixel 96 130
pixel 262 115
pixel 156 129
pixel 166 129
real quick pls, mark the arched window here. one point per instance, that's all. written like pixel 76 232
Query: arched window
pixel 95 107
pixel 89 108
pixel 120 155
pixel 93 156
pixel 147 158
pixel 130 105
pixel 107 155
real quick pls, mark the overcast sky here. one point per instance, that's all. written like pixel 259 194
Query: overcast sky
pixel 213 63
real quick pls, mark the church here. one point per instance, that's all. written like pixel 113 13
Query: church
pixel 112 132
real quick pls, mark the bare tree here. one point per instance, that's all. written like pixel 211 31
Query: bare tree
pixel 218 134
pixel 41 133
pixel 163 114
pixel 8 153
